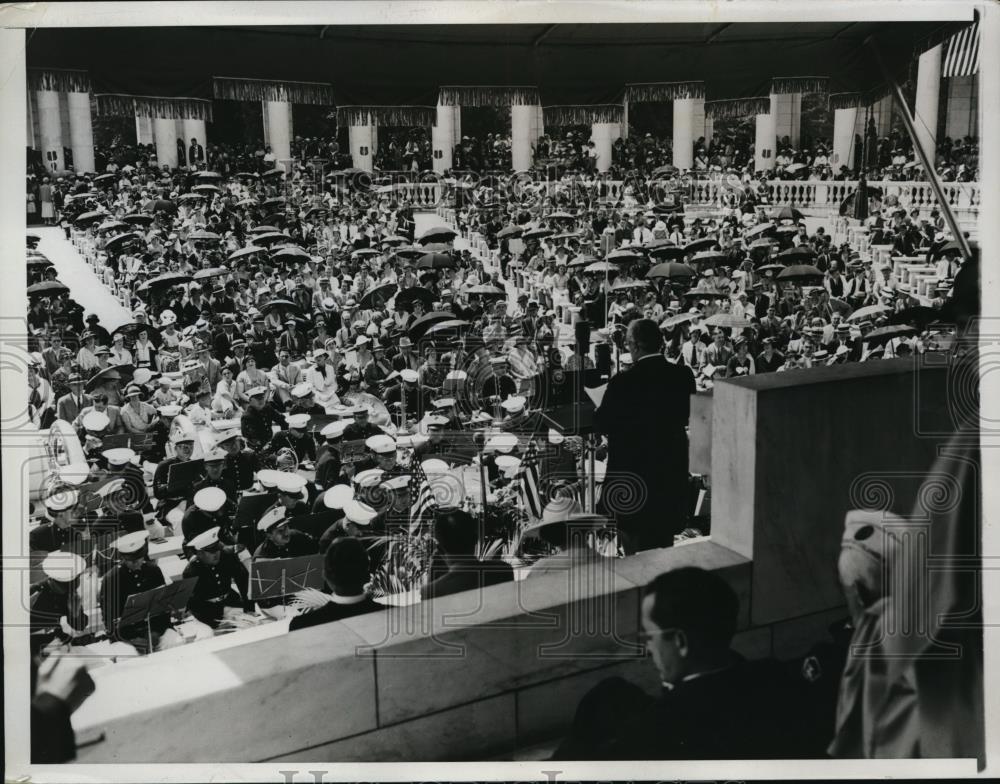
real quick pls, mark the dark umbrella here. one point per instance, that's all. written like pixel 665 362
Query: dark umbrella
pixel 113 225
pixel 919 316
pixel 210 272
pixel 244 252
pixel 39 261
pixel 102 178
pixel 208 175
pixel 361 252
pixel 671 269
pixel 798 254
pixel 667 252
pixel 378 296
pixel 788 213
pixel 108 374
pixel 769 270
pixel 269 239
pixel 443 328
pixel 316 212
pixel 283 305
pixel 121 239
pixel 485 290
pixel 131 331
pixel 582 261
pixel 161 205
pixel 47 288
pixel 758 230
pixel 191 197
pixel 89 217
pixel 138 218
pixel 202 235
pixel 290 252
pixel 394 240
pixel 264 229
pixel 406 298
pixel 425 322
pixel 275 217
pixel 665 171
pixel 884 334
pixel 760 244
pixel 709 257
pixel 409 252
pixel 537 234
pixel 437 234
pixel 436 261
pixel 706 243
pixel 273 201
pixel 949 245
pixel 165 280
pixel 800 273
pixel 509 230
pixel 624 256
pixel 273 173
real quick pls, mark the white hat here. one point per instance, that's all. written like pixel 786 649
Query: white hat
pixel 258 390
pixel 74 473
pixel 397 482
pixel 291 484
pixel 434 465
pixel 335 429
pixel 508 463
pixel 409 375
pixel 210 499
pixel 382 444
pixel 268 477
pixel 131 543
pixel 369 478
pixel 555 437
pixel 214 456
pixel 320 352
pixel 175 516
pixel 61 500
pixel 514 404
pixel 168 317
pixel 480 417
pixel 63 567
pixel 337 496
pixel 503 443
pixel 95 420
pixel 443 402
pixel 142 376
pixel 297 421
pixel 271 517
pixel 359 513
pixel 170 410
pixel 456 375
pixel 206 539
pixel 301 390
pixel 372 329
pixel 120 456
pixel 362 340
pixel 435 420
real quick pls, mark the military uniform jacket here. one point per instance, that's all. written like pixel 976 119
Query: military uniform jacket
pixel 303 446
pixel 298 544
pixel 256 427
pixel 241 467
pixel 48 606
pixel 120 583
pixel 160 483
pixel 214 589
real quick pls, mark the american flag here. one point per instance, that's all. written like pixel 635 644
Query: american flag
pixel 961 58
pixel 527 480
pixel 423 497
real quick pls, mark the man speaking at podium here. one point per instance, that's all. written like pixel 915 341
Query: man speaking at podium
pixel 644 414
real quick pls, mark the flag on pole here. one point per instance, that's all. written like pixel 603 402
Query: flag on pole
pixel 423 497
pixel 527 479
pixel 962 55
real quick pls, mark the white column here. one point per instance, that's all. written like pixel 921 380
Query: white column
pixel 50 127
pixel 165 134
pixel 143 130
pixel 443 137
pixel 30 116
pixel 457 123
pixel 279 130
pixel 683 133
pixel 603 136
pixel 763 146
pixel 786 109
pixel 926 106
pixel 523 121
pixel 362 145
pixel 844 121
pixel 195 129
pixel 625 119
pixel 698 119
pixel 81 131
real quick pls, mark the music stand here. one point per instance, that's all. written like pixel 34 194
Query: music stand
pixel 250 508
pixel 165 599
pixel 273 578
pixel 181 476
pixel 352 451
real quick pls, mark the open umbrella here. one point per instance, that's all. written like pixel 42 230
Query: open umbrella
pixel 138 218
pixel 246 175
pixel 788 213
pixel 406 298
pixel 270 238
pixel 706 243
pixel 99 379
pixel 289 252
pixel 627 285
pixel 727 320
pixel 121 240
pixel 795 168
pixel 680 318
pixel 203 235
pixel 560 215
pixel 39 261
pixel 377 297
pixel 485 290
pixel 264 229
pixel 160 205
pixel 709 257
pixel 758 231
pixel 536 234
pixel 89 217
pixel 919 316
pixel 245 252
pixel 581 261
pixel 665 171
pixel 796 255
pixel 47 288
pixel 446 328
pixel 112 225
pixel 436 261
pixel 667 251
pixel 884 334
pixel 131 332
pixel 191 197
pixel 671 269
pixel 770 270
pixel 789 229
pixel 938 251
pixel 425 322
pixel 510 230
pixel 103 178
pixel 361 252
pixel 273 173
pixel 166 280
pixel 316 212
pixel 868 312
pixel 273 201
pixel 393 240
pixel 799 273
pixel 566 235
pixel 210 272
pixel 437 234
pixel 624 257
pixel 208 175
pixel 600 266
pixel 206 188
pixel 283 305
pixel 409 252
pixel 761 244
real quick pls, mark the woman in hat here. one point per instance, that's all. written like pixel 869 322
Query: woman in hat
pixel 249 378
pixel 85 357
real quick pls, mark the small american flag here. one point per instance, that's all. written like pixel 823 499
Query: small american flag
pixel 423 497
pixel 527 479
pixel 961 57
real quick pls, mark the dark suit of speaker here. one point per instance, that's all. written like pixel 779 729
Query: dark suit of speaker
pixel 644 414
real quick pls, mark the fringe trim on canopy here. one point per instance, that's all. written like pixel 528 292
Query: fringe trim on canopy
pixel 147 106
pixel 656 92
pixel 58 80
pixel 232 89
pixel 583 114
pixel 488 95
pixel 853 100
pixel 738 107
pixel 799 84
pixel 407 116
